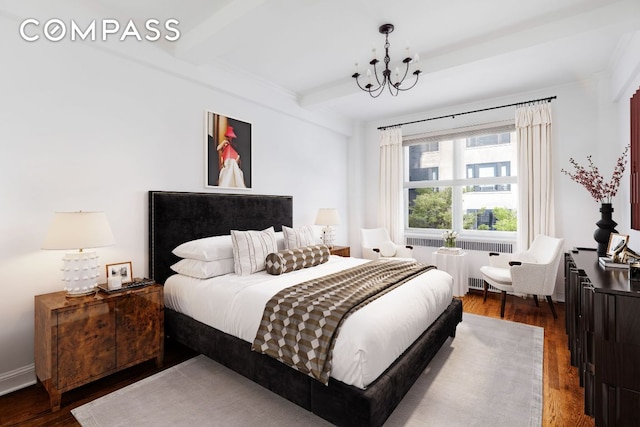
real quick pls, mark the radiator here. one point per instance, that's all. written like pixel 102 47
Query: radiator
pixel 478 284
pixel 468 245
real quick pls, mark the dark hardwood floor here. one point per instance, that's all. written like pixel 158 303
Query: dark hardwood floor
pixel 563 397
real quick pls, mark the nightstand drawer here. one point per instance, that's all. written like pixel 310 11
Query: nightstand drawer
pixel 137 320
pixel 86 343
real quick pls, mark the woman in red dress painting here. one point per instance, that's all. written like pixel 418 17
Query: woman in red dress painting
pixel 230 173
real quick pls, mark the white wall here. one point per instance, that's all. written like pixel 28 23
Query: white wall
pixel 85 128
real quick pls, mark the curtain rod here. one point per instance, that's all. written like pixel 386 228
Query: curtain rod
pixel 453 116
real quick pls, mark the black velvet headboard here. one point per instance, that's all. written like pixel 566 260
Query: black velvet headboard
pixel 177 217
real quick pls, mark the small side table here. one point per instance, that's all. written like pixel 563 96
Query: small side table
pixel 456 266
pixel 341 251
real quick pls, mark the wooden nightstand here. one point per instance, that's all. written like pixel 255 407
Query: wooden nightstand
pixel 341 251
pixel 81 339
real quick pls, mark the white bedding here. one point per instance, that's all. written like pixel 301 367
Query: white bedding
pixel 235 304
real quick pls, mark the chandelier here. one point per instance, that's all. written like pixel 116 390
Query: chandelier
pixel 394 87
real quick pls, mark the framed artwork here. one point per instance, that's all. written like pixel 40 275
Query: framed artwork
pixel 227 152
pixel 616 241
pixel 122 269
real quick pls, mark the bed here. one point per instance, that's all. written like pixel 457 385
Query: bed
pixel 176 217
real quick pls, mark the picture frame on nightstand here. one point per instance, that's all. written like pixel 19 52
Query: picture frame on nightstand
pixel 123 270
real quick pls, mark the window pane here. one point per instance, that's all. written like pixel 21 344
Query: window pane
pixel 430 208
pixel 491 160
pixel 428 161
pixel 490 211
pixel 489 170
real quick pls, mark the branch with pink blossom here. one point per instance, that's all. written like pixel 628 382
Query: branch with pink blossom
pixel 591 179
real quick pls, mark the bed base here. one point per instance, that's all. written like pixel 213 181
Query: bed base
pixel 176 217
pixel 338 403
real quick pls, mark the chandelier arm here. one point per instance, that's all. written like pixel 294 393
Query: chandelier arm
pixel 368 89
pixel 400 80
pixel 414 83
pixel 392 88
pixel 379 89
pixel 374 93
pixel 359 85
pixel 406 71
pixel 375 71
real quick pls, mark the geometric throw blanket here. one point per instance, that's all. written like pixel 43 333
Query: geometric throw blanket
pixel 300 323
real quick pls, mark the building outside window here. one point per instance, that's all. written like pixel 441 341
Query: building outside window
pixel 465 181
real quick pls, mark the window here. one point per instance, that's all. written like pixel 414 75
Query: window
pixel 462 181
pixel 489 170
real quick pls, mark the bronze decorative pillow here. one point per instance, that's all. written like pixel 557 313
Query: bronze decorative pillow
pixel 289 260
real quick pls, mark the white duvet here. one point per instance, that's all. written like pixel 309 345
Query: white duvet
pixel 369 340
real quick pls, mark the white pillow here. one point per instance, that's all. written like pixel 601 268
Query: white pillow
pixel 206 249
pixel 298 237
pixel 250 249
pixel 388 248
pixel 204 269
pixel 280 240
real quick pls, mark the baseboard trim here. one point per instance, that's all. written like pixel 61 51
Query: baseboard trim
pixel 17 379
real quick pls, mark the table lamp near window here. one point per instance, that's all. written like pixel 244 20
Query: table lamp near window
pixel 79 230
pixel 328 217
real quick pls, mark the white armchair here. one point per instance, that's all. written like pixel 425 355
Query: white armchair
pixel 376 244
pixel 532 272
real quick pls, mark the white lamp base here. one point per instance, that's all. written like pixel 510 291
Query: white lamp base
pixel 328 236
pixel 80 273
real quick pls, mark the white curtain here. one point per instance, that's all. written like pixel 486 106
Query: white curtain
pixel 535 175
pixel 390 200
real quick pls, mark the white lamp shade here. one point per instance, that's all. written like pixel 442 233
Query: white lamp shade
pixel 327 216
pixel 78 230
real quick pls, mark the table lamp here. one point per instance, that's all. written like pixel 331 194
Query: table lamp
pixel 328 217
pixel 79 230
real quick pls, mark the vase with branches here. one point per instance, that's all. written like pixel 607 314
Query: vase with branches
pixel 593 181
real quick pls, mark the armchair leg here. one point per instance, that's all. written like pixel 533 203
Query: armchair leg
pixel 553 310
pixel 535 298
pixel 486 288
pixel 502 303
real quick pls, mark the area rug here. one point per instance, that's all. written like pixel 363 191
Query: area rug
pixel 490 374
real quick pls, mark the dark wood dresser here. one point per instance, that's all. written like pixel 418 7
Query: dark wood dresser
pixel 603 326
pixel 81 339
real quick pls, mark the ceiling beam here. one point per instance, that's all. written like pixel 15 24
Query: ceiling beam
pixel 214 25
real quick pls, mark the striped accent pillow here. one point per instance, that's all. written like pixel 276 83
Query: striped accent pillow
pixel 250 249
pixel 295 259
pixel 298 237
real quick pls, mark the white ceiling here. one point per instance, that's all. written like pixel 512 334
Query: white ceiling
pixel 469 49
